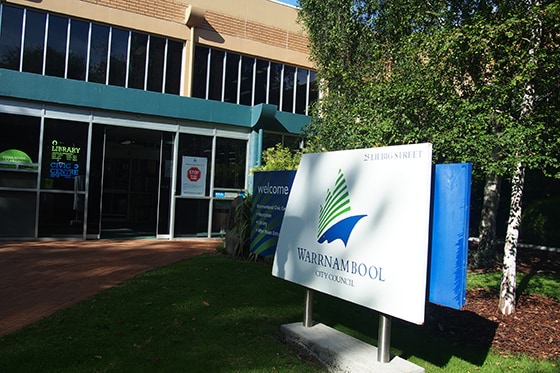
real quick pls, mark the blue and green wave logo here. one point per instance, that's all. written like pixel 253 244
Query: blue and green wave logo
pixel 334 224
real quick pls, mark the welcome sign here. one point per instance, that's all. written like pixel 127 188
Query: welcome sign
pixel 270 196
pixel 356 227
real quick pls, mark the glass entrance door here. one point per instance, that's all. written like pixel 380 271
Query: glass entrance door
pixel 131 183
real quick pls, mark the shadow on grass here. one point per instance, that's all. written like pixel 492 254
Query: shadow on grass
pixel 446 333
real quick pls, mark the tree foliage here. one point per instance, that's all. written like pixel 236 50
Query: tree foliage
pixel 448 72
pixel 479 79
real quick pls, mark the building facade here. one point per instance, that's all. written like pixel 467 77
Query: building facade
pixel 140 117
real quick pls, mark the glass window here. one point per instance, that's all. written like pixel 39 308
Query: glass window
pixel 313 89
pixel 231 155
pixel 199 73
pixel 261 80
pixel 191 217
pixel 98 53
pixel 20 132
pixel 18 214
pixel 288 89
pixel 270 140
pixel 56 46
pixel 232 75
pixel 272 81
pixel 34 42
pixel 220 214
pixel 173 67
pixel 195 146
pixel 216 75
pixel 165 183
pixel 19 150
pixel 118 58
pixel 301 91
pixel 246 90
pixel 292 142
pixel 64 155
pixel 95 176
pixel 10 37
pixel 77 52
pixel 137 67
pixel 61 214
pixel 155 64
pixel 274 85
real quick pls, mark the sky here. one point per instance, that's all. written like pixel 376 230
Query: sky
pixel 290 2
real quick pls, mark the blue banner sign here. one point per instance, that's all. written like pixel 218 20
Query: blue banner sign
pixel 270 196
pixel 450 233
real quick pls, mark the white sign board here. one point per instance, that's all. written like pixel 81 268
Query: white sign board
pixel 357 225
pixel 193 176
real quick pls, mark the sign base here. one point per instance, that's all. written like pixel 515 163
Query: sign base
pixel 340 352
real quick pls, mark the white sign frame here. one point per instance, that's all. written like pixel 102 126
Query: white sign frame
pixel 379 257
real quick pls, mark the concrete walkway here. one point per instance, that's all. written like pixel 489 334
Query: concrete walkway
pixel 41 277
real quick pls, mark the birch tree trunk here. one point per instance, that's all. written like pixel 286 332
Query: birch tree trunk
pixel 484 254
pixel 508 285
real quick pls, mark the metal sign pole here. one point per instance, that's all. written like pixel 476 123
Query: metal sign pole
pixel 308 312
pixel 384 339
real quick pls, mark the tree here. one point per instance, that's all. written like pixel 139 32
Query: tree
pixel 478 79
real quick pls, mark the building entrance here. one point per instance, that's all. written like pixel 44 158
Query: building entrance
pixel 131 182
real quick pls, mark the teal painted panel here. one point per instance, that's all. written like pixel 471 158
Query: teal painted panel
pixel 14 84
pixel 293 123
pixel 48 89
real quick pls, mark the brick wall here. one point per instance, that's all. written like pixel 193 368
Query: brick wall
pixel 174 10
pixel 169 10
pixel 224 24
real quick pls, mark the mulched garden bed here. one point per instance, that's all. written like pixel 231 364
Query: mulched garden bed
pixel 534 329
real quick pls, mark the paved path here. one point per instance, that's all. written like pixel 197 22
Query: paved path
pixel 41 277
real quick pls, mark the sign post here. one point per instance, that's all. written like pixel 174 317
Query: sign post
pixel 308 312
pixel 384 339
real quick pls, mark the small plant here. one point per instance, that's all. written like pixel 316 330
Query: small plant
pixel 280 158
pixel 239 227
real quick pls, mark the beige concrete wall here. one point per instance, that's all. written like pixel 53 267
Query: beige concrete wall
pixel 260 11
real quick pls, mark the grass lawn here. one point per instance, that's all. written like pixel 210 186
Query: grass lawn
pixel 214 314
